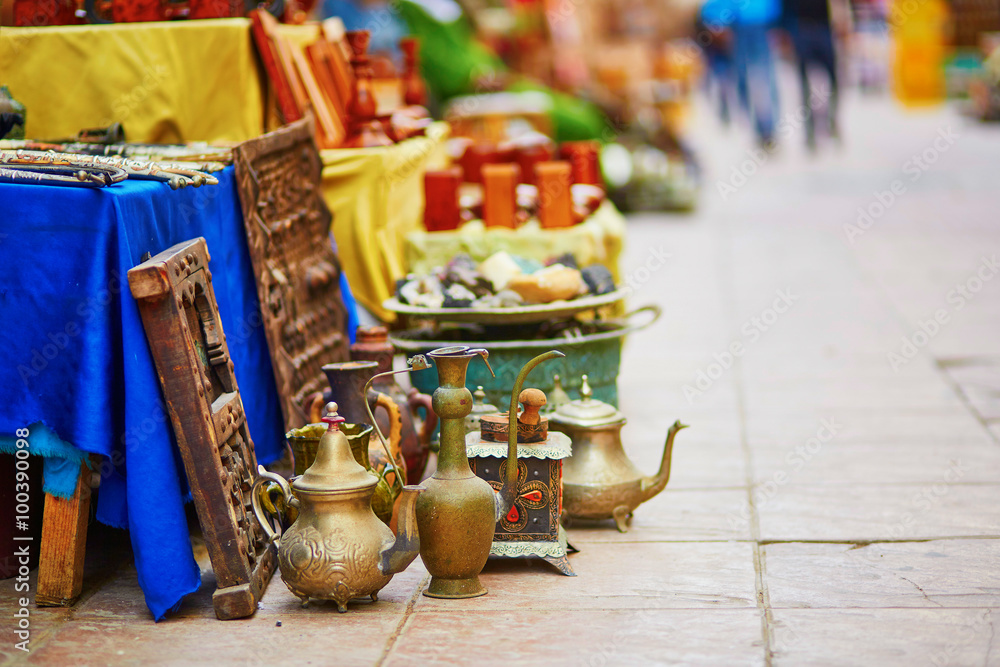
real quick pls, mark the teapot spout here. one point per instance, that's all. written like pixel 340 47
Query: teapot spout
pixel 653 485
pixel 397 556
pixel 505 496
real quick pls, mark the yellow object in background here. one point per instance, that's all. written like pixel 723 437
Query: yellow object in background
pixel 376 196
pixel 165 82
pixel 597 240
pixel 919 40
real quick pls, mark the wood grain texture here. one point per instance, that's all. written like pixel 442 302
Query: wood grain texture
pixel 181 318
pixel 298 274
pixel 64 543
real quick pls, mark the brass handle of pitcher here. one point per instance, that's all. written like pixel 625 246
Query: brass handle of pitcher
pixel 395 431
pixel 313 407
pixel 415 363
pixel 416 400
pixel 256 491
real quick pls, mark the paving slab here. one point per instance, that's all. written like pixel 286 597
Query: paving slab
pixel 937 573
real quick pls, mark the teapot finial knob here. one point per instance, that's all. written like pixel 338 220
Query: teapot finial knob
pixel 479 395
pixel 586 393
pixel 533 400
pixel 332 418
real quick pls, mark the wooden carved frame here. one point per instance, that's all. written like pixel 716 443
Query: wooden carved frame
pixel 181 318
pixel 298 274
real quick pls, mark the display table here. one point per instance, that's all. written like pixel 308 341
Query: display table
pixel 164 82
pixel 77 367
pixel 201 81
pixel 377 198
pixel 597 240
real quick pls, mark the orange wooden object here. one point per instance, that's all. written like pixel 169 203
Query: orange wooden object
pixel 500 194
pixel 331 130
pixel 441 211
pixel 64 541
pixel 555 201
pixel 584 160
pixel 322 68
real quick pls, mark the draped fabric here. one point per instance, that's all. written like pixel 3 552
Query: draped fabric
pixel 74 355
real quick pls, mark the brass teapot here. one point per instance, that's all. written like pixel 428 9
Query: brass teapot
pixel 337 549
pixel 599 481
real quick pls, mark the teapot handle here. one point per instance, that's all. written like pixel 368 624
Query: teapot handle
pixel 255 499
pixel 313 406
pixel 393 449
pixel 416 400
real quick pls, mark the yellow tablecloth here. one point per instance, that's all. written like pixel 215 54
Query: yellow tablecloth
pixel 599 239
pixel 165 82
pixel 377 198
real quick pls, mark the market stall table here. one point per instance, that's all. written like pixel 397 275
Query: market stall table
pixel 75 360
pixel 165 82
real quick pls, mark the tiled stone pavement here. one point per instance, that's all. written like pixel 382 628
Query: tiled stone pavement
pixel 827 507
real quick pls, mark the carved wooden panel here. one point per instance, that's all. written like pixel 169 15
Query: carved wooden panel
pixel 298 273
pixel 181 319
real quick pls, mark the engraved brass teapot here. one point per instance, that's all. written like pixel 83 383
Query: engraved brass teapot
pixel 337 549
pixel 599 481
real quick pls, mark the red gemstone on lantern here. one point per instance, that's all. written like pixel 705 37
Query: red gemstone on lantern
pixel 533 496
pixel 513 515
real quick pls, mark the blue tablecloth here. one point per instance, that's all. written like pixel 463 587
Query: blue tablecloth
pixel 75 364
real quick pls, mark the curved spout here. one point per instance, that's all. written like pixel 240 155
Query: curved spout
pixel 395 557
pixel 653 485
pixel 505 497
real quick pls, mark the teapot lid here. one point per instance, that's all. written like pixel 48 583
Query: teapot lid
pixel 335 468
pixel 586 411
pixel 479 404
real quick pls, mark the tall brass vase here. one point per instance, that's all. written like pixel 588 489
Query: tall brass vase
pixel 457 514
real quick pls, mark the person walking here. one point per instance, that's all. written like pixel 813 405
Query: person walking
pixel 809 25
pixel 714 37
pixel 756 85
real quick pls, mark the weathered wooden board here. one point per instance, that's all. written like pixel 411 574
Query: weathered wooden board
pixel 298 273
pixel 181 319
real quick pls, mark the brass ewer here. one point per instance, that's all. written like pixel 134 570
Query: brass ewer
pixel 337 549
pixel 458 513
pixel 599 481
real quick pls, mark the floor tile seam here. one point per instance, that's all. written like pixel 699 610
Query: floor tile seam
pixel 878 485
pixel 749 609
pixel 863 542
pixel 390 643
pixel 720 540
pixel 896 314
pixel 886 607
pixel 896 485
pixel 966 401
pixel 726 256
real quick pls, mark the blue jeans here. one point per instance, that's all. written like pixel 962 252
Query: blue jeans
pixel 814 47
pixel 755 80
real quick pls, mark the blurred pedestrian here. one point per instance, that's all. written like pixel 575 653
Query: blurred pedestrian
pixel 755 80
pixel 809 25
pixel 715 39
